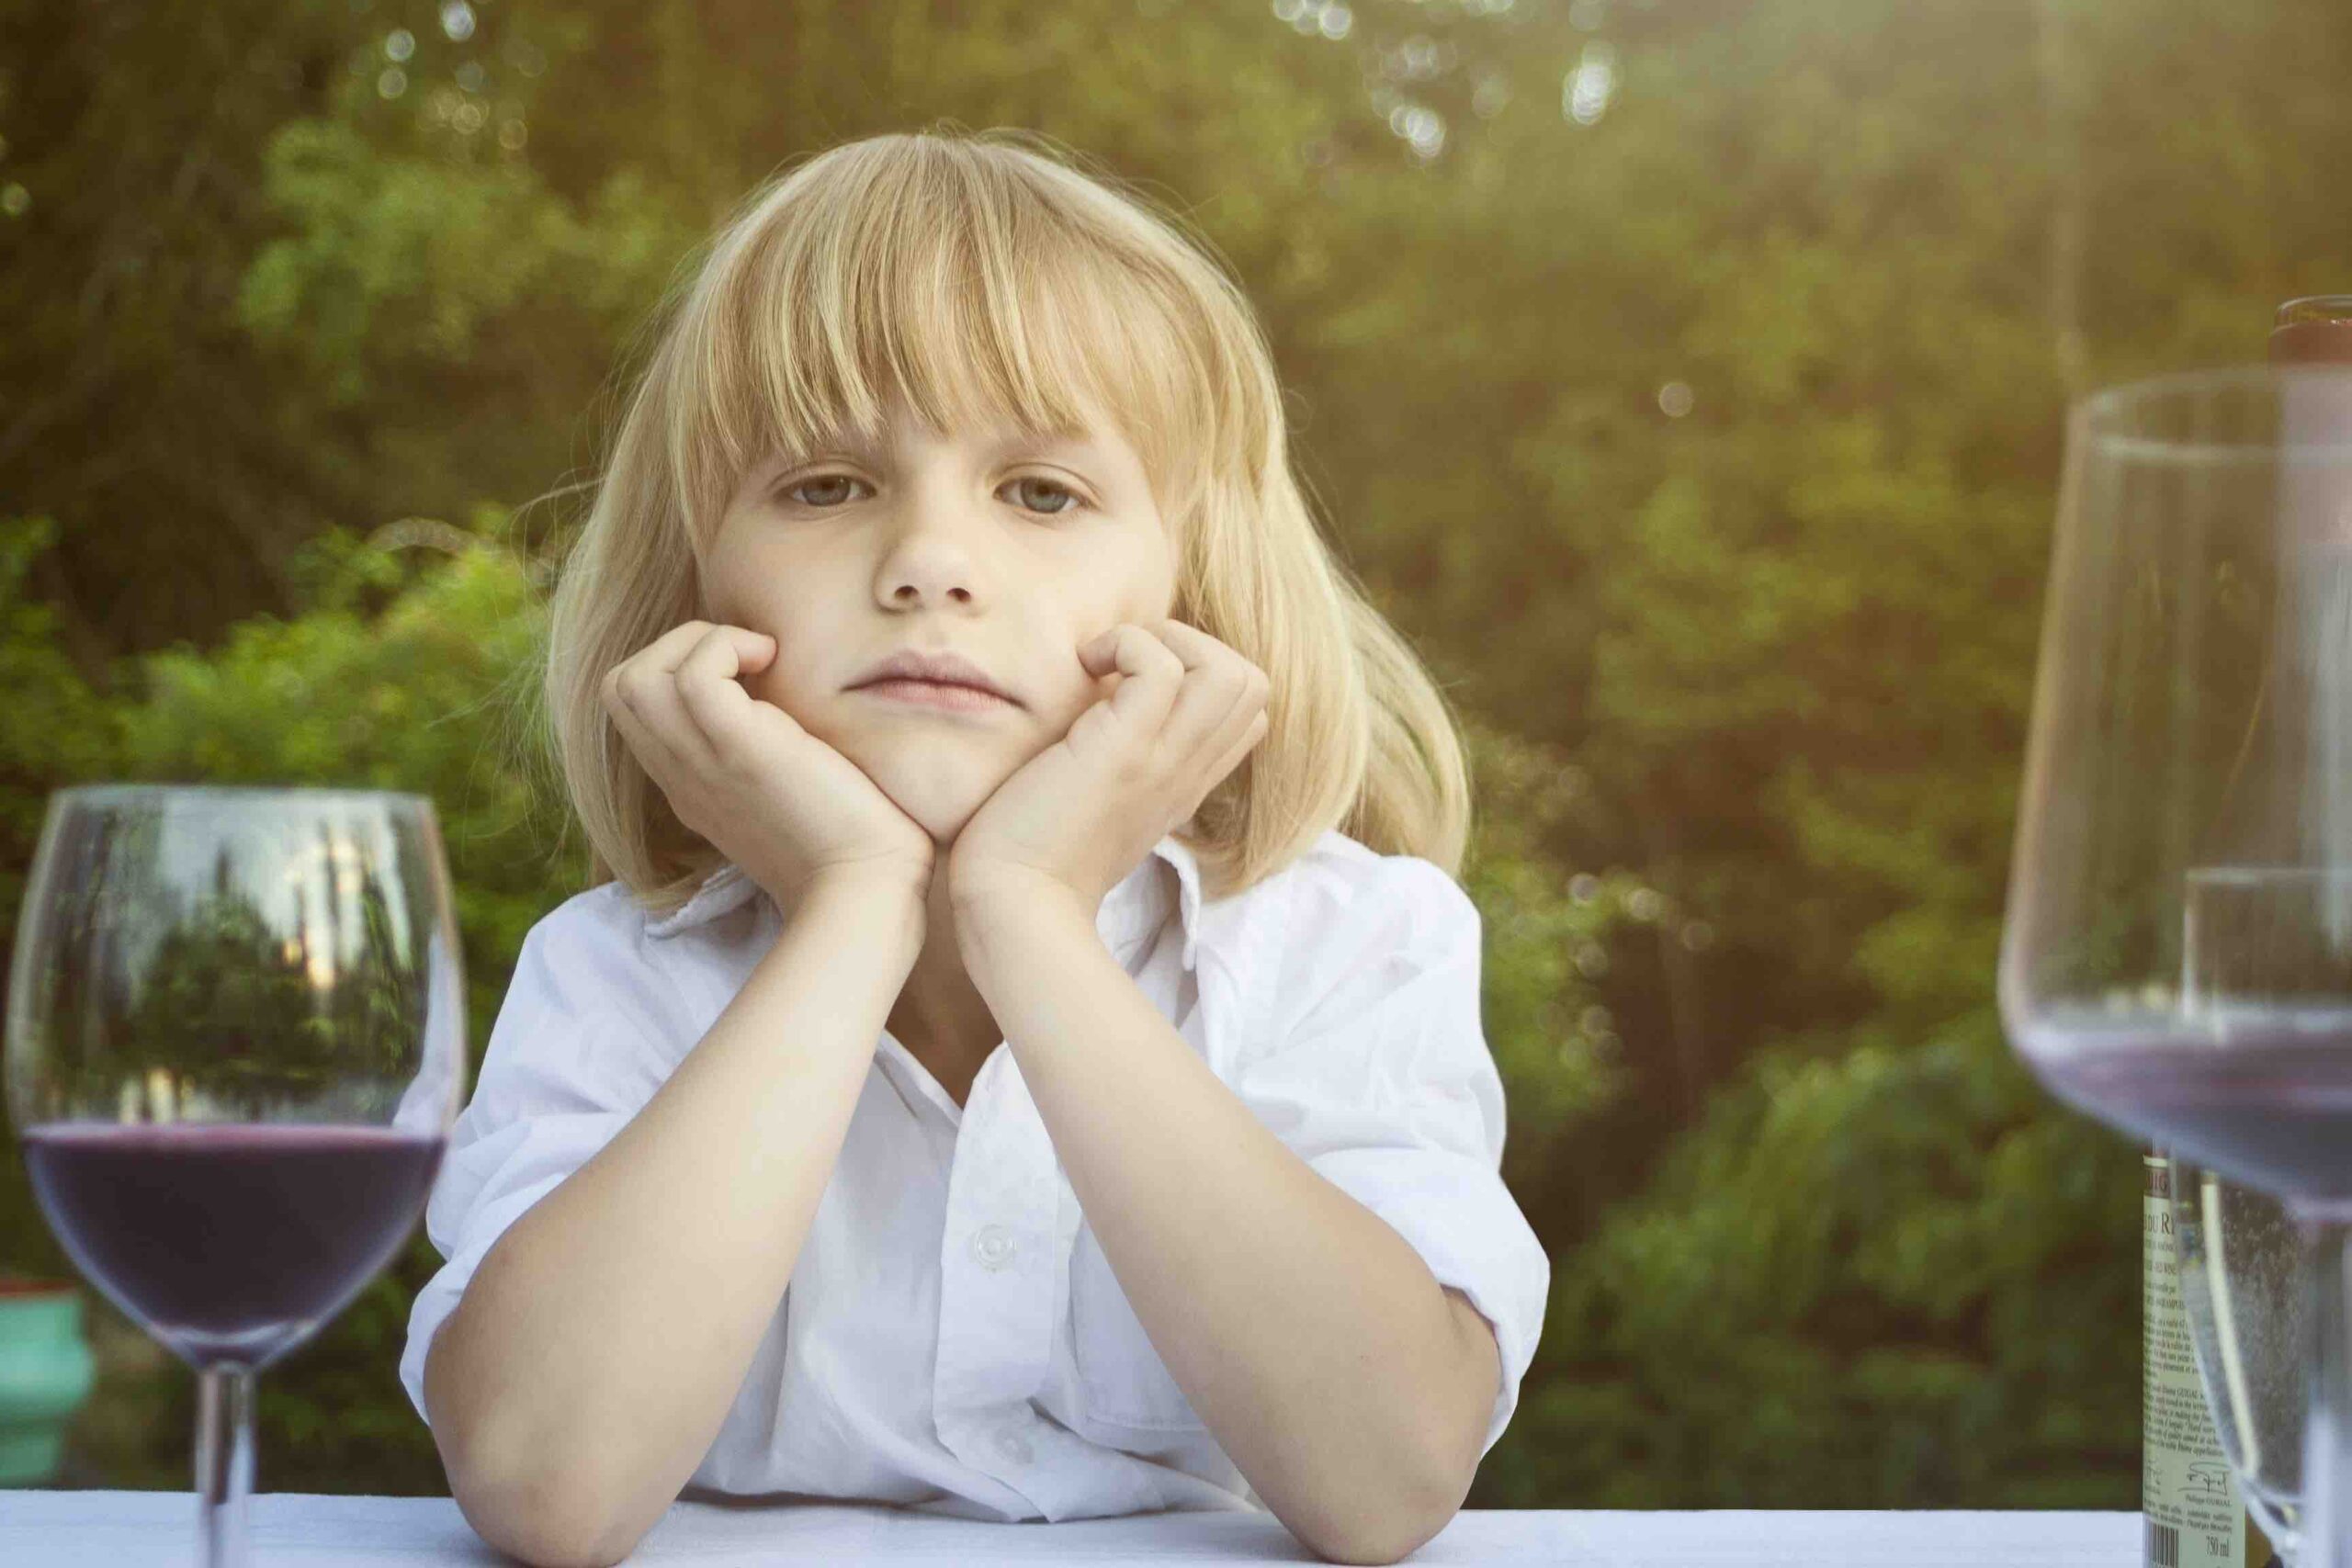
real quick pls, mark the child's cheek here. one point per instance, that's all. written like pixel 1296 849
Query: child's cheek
pixel 774 686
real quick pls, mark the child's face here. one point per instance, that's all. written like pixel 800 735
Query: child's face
pixel 1010 556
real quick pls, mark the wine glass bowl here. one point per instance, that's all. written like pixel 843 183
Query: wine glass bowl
pixel 235 1045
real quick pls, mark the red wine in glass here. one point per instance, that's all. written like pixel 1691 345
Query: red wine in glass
pixel 235 1045
pixel 2272 1109
pixel 231 1243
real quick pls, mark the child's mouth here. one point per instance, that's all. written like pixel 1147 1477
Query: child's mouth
pixel 937 694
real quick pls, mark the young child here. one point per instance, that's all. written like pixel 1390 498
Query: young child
pixel 1051 1088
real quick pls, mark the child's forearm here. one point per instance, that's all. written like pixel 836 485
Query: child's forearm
pixel 1345 1384
pixel 597 1350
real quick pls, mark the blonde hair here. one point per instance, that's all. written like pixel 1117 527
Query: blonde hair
pixel 987 280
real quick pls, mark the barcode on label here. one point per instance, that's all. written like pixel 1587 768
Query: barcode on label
pixel 2163 1546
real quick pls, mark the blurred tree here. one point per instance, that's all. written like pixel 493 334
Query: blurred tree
pixel 1832 274
pixel 1887 1277
pixel 134 411
pixel 1687 379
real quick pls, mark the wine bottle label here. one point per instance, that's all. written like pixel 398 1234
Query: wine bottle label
pixel 2189 1495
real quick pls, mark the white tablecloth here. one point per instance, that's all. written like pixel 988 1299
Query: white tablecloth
pixel 292 1529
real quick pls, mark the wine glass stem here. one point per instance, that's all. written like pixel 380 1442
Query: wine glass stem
pixel 225 1462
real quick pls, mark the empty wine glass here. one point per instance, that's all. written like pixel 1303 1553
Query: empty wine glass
pixel 235 1044
pixel 2192 718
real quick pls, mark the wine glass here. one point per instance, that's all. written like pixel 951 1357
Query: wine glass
pixel 2192 721
pixel 235 1044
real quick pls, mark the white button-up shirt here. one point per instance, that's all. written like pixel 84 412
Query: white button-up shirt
pixel 953 1337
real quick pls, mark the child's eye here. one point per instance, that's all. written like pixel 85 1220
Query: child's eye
pixel 787 491
pixel 790 491
pixel 1076 500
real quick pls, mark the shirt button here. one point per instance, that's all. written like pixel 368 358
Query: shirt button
pixel 994 1246
pixel 1013 1445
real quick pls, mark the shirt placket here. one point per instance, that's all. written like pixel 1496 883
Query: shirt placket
pixel 1011 1218
pixel 996 1279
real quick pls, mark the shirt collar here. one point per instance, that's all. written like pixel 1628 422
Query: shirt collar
pixel 1131 911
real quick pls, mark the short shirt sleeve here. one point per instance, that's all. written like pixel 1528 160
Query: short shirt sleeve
pixel 1370 1061
pixel 587 1033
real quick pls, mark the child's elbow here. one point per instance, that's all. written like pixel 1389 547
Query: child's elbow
pixel 1376 1549
pixel 1381 1530
pixel 542 1520
pixel 518 1496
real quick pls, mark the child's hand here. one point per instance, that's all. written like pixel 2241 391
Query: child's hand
pixel 1182 712
pixel 781 803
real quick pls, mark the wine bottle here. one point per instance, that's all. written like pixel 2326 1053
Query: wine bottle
pixel 2193 1510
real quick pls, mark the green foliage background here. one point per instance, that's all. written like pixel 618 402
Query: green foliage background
pixel 1688 379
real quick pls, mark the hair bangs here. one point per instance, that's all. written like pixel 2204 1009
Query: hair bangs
pixel 978 308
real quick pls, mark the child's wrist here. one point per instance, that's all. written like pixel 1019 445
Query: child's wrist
pixel 876 917
pixel 846 889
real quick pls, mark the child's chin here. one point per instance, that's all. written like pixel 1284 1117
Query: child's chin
pixel 940 810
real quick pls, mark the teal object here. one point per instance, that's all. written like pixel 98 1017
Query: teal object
pixel 46 1370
